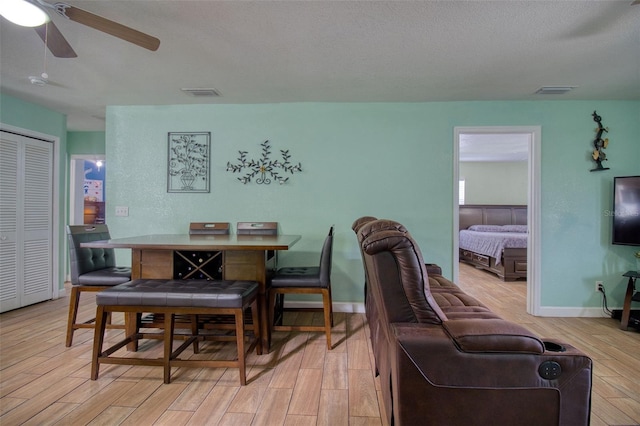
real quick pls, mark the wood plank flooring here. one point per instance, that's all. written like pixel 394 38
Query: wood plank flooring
pixel 298 383
pixel 615 353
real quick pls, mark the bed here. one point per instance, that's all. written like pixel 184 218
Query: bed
pixel 494 238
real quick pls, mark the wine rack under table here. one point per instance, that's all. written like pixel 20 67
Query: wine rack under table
pixel 202 265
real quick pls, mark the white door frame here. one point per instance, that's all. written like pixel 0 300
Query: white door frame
pixel 533 202
pixel 56 291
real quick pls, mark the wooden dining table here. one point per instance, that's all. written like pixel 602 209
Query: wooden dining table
pixel 244 257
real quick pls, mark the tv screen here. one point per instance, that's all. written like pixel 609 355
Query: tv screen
pixel 626 210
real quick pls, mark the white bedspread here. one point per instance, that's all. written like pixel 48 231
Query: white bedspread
pixel 491 243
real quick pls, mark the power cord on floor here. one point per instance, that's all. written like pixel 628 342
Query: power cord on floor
pixel 605 309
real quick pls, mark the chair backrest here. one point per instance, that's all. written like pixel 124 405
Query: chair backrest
pixel 326 259
pixel 257 228
pixel 209 228
pixel 83 259
pixel 397 274
pixel 261 228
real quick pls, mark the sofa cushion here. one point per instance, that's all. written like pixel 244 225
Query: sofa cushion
pixel 439 282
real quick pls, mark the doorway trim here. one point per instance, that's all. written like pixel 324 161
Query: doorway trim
pixel 533 204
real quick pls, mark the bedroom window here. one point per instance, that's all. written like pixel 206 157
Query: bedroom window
pixel 461 192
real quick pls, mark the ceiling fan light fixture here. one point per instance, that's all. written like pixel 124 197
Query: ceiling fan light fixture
pixel 39 81
pixel 201 91
pixel 554 90
pixel 23 13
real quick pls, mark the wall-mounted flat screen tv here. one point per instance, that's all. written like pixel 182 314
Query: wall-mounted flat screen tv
pixel 626 210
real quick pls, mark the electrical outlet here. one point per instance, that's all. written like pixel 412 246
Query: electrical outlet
pixel 122 211
pixel 599 286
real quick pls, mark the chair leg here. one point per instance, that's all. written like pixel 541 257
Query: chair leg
pixel 74 301
pixel 330 305
pixel 98 339
pixel 280 308
pixel 271 306
pixel 169 324
pixel 328 315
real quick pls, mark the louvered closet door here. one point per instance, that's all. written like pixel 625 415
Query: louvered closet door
pixel 26 179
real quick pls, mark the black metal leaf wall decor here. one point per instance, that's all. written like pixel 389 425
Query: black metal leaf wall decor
pixel 264 169
pixel 599 144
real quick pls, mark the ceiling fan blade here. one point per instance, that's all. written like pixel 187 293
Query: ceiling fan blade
pixel 107 26
pixel 55 41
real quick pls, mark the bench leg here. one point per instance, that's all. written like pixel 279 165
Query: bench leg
pixel 169 325
pixel 98 339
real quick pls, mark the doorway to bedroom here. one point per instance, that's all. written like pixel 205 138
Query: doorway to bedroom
pixel 87 191
pixel 499 167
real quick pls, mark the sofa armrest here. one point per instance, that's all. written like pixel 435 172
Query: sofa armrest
pixel 429 371
pixel 433 269
pixel 492 335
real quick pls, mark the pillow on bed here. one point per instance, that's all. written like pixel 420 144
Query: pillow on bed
pixel 515 228
pixel 486 228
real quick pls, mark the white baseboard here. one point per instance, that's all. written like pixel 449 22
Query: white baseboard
pixel 552 311
pixel 548 311
pixel 353 307
pixel 346 307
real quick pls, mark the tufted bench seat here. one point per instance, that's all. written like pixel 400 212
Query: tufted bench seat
pixel 171 298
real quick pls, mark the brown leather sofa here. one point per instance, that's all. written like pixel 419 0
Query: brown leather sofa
pixel 445 359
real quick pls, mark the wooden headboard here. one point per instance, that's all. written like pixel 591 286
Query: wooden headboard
pixel 475 214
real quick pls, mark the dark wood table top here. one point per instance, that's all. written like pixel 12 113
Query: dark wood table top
pixel 199 242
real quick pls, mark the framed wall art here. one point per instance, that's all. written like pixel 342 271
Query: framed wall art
pixel 189 162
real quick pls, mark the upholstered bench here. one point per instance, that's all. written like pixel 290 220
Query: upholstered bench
pixel 171 298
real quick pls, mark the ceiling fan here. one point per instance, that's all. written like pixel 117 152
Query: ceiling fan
pixel 54 39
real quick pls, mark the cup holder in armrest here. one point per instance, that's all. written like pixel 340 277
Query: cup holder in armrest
pixel 553 347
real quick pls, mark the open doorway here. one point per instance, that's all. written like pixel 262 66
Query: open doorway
pixel 87 191
pixel 473 141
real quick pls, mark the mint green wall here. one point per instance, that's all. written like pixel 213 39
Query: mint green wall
pixel 392 160
pixel 85 143
pixel 25 115
pixel 495 182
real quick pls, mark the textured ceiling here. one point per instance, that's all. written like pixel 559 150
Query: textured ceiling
pixel 330 51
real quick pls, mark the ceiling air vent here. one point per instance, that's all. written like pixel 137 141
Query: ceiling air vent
pixel 554 90
pixel 201 92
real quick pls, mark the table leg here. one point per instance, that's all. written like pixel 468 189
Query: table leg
pixel 251 265
pixel 130 328
pixel 263 313
pixel 130 318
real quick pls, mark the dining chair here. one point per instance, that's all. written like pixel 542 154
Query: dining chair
pixel 257 228
pixel 261 228
pixel 304 280
pixel 92 270
pixel 190 264
pixel 209 228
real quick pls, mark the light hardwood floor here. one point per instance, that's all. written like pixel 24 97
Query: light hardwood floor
pixel 615 398
pixel 298 383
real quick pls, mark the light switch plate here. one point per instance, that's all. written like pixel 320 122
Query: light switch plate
pixel 122 211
